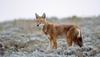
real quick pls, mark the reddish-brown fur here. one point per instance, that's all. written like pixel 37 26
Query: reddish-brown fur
pixel 54 30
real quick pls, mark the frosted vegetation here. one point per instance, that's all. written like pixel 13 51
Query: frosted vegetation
pixel 21 38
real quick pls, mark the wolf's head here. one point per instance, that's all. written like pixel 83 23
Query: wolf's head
pixel 40 20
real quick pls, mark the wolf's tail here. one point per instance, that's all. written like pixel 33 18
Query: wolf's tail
pixel 78 38
pixel 80 41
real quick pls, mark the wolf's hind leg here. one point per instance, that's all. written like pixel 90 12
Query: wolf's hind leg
pixel 54 43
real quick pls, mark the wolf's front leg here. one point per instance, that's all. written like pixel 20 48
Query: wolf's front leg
pixel 50 43
pixel 69 41
pixel 53 42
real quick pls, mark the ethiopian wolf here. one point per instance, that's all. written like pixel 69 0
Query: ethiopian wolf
pixel 72 32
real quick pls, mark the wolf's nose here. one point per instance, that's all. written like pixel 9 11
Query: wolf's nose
pixel 37 25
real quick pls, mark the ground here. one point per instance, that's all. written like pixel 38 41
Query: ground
pixel 21 38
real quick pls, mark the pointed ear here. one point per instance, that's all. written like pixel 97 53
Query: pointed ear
pixel 36 15
pixel 44 15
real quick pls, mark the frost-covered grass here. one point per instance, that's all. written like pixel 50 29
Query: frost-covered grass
pixel 20 38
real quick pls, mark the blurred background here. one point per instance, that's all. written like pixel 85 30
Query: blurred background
pixel 20 37
pixel 15 9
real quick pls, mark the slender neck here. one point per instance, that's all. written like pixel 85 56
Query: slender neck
pixel 47 22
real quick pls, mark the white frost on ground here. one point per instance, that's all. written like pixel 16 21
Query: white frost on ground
pixel 19 43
